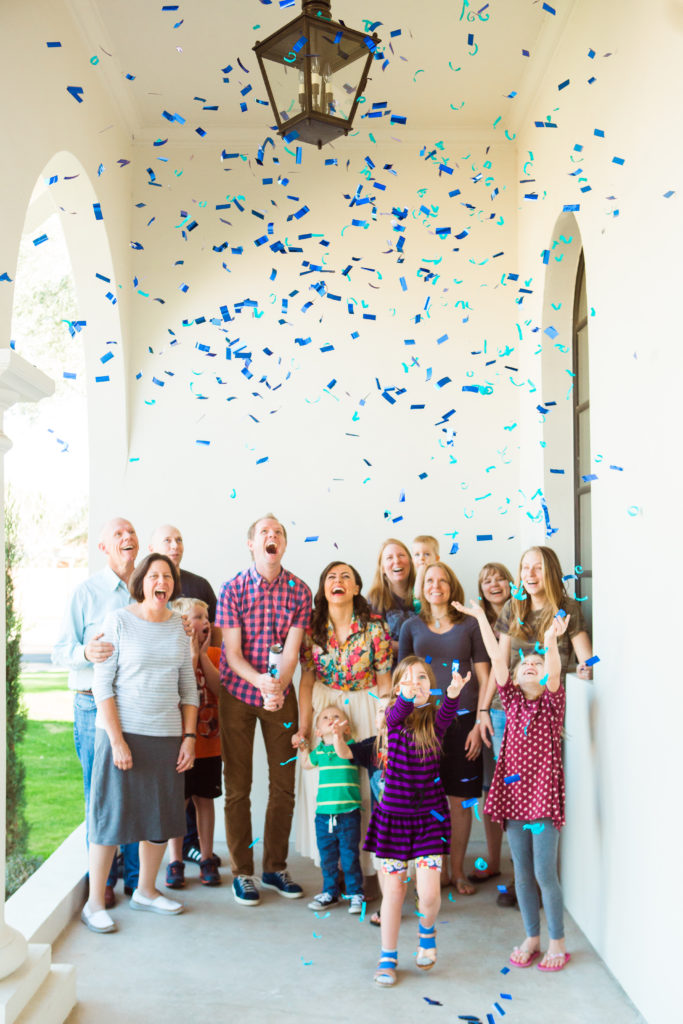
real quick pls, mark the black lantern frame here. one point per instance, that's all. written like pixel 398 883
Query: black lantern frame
pixel 318 51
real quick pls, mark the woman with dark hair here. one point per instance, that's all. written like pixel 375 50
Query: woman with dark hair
pixel 146 698
pixel 391 592
pixel 451 641
pixel 345 661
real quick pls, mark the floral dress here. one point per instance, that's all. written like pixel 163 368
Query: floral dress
pixel 345 675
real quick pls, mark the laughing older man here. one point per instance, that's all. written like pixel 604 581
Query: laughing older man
pixel 80 645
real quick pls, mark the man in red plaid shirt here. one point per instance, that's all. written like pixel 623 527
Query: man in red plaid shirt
pixel 262 606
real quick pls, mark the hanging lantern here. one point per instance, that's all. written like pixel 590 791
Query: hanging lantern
pixel 315 70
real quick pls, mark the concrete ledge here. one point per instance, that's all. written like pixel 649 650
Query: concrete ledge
pixel 43 907
pixel 55 1000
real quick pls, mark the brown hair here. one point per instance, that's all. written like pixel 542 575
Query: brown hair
pixel 321 612
pixel 380 595
pixel 426 538
pixel 268 515
pixel 500 570
pixel 419 722
pixel 555 594
pixel 456 593
pixel 141 570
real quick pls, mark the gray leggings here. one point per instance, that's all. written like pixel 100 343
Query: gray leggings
pixel 535 859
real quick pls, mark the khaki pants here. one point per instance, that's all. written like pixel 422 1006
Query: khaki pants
pixel 237 725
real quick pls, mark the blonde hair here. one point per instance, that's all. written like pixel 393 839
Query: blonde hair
pixel 500 570
pixel 555 594
pixel 456 593
pixel 184 605
pixel 426 538
pixel 419 722
pixel 380 594
pixel 334 707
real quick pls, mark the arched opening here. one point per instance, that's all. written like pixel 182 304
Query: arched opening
pixel 65 319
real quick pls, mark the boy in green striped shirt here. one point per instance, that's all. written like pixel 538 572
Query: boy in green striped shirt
pixel 337 818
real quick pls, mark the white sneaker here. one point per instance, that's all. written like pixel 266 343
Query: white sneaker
pixel 356 904
pixel 159 905
pixel 97 920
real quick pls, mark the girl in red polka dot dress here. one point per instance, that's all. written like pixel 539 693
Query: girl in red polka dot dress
pixel 527 792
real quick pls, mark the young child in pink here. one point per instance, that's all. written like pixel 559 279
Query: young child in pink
pixel 527 792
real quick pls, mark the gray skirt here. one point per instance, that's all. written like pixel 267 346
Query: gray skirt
pixel 145 802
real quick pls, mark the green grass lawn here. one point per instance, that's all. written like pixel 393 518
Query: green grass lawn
pixel 54 783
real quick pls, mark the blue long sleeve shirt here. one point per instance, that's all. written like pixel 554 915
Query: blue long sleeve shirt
pixel 88 607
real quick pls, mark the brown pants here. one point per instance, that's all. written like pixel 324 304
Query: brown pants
pixel 237 724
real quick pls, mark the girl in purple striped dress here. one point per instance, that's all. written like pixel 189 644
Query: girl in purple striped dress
pixel 412 821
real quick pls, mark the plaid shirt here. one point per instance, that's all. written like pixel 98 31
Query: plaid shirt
pixel 265 612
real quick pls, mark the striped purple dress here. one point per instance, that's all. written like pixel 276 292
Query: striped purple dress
pixel 413 818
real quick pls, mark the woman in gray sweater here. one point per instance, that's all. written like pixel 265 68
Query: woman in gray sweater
pixel 146 697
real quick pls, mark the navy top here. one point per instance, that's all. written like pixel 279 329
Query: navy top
pixel 461 643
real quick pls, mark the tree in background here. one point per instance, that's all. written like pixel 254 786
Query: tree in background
pixel 17 869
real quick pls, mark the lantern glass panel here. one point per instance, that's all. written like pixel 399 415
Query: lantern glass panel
pixel 337 63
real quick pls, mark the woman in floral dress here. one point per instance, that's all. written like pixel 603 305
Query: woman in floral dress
pixel 346 661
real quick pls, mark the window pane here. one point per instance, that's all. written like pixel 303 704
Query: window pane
pixel 585 589
pixel 584 439
pixel 585 552
pixel 583 383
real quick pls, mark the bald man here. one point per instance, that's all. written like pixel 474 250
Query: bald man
pixel 168 540
pixel 80 645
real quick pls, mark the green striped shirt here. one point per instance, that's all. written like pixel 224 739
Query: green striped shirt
pixel 339 785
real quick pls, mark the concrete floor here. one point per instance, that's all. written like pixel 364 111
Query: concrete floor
pixel 220 962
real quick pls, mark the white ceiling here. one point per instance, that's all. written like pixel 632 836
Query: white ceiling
pixel 431 70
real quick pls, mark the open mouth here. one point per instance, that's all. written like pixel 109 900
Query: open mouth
pixel 338 590
pixel 160 595
pixel 271 548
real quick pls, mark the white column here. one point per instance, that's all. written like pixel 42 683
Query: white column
pixel 19 382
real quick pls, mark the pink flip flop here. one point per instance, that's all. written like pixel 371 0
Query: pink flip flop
pixel 532 956
pixel 556 967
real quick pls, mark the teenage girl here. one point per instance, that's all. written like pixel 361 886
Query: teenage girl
pixel 527 792
pixel 412 821
pixel 538 597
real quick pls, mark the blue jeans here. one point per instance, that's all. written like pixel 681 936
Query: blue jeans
pixel 535 860
pixel 85 711
pixel 338 838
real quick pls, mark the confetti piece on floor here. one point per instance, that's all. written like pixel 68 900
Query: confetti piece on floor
pixel 362 913
pixel 432 1002
pixel 505 970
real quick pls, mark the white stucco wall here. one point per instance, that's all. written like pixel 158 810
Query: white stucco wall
pixel 623 830
pixel 620 767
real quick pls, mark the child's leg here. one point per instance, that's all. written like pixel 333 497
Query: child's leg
pixel 206 820
pixel 348 831
pixel 494 842
pixel 461 824
pixel 428 878
pixel 328 848
pixel 521 846
pixel 393 894
pixel 545 845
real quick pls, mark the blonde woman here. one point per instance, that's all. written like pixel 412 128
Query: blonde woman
pixel 391 592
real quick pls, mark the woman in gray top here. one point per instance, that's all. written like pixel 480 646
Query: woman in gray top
pixel 146 697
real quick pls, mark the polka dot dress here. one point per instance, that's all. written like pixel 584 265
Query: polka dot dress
pixel 532 749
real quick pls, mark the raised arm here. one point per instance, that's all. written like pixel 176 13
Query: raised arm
pixel 499 663
pixel 553 662
pixel 583 649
